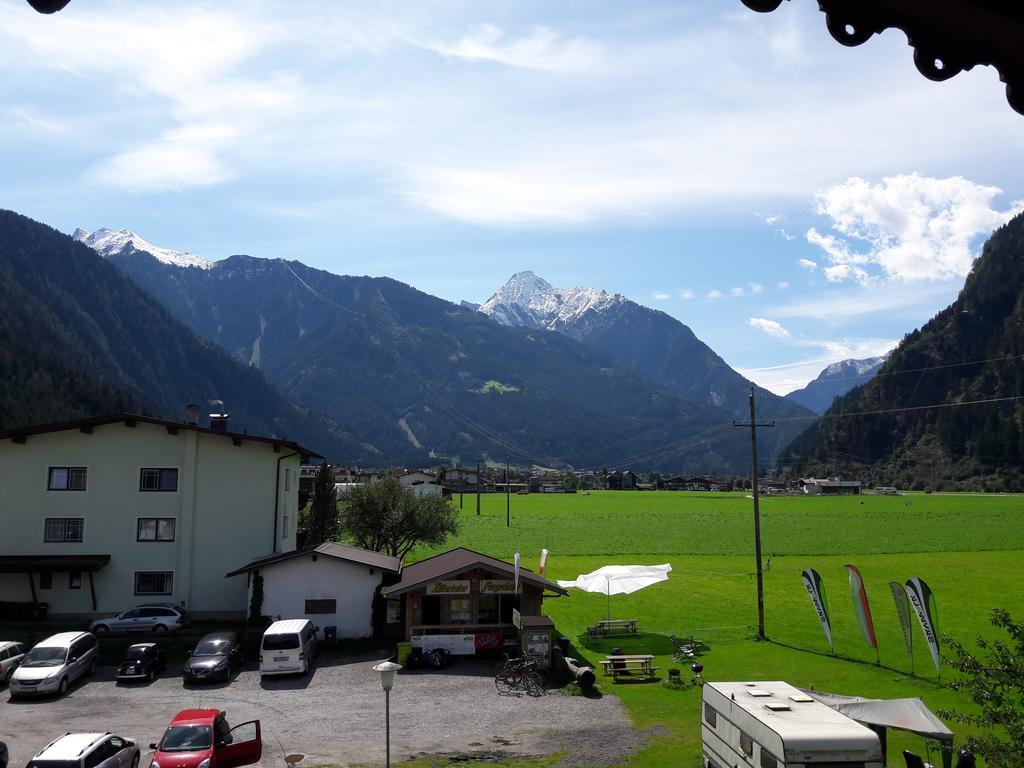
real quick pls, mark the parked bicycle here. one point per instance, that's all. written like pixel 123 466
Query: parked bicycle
pixel 518 674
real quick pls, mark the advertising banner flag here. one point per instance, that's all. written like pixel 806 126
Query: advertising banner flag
pixel 923 602
pixel 543 560
pixel 899 596
pixel 862 607
pixel 816 591
pixel 517 573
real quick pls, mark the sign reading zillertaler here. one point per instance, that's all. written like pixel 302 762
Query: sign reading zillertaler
pixel 494 587
pixel 448 588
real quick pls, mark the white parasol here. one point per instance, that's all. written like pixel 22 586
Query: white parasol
pixel 618 580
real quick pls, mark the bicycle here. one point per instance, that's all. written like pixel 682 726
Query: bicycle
pixel 518 674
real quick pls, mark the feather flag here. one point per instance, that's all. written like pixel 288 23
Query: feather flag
pixel 816 591
pixel 543 560
pixel 923 601
pixel 899 595
pixel 516 582
pixel 862 607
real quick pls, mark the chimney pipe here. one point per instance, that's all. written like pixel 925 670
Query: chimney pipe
pixel 192 414
pixel 218 416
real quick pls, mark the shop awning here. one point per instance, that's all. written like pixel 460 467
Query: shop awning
pixel 52 563
pixel 461 560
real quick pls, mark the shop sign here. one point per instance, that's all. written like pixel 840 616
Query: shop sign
pixel 517 619
pixel 456 645
pixel 448 588
pixel 496 587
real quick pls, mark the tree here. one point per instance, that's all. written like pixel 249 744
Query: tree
pixel 570 481
pixel 323 522
pixel 996 685
pixel 385 517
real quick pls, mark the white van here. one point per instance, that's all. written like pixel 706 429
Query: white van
pixel 774 725
pixel 52 665
pixel 288 646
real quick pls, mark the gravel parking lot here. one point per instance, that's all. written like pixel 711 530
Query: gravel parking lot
pixel 336 715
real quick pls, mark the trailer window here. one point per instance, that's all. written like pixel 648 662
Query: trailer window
pixel 710 716
pixel 767 760
pixel 746 744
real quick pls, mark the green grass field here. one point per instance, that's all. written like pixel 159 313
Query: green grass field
pixel 970 550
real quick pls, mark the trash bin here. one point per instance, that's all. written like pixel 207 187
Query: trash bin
pixel 331 634
pixel 618 664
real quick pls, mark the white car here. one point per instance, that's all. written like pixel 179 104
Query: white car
pixel 52 665
pixel 11 654
pixel 87 750
pixel 148 617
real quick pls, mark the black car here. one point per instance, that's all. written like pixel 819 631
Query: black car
pixel 215 657
pixel 142 661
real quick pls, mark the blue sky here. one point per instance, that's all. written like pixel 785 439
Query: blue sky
pixel 793 201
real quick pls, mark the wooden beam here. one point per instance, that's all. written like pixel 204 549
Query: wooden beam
pixel 129 422
pixel 236 440
pixel 277 447
pixel 172 430
pixel 85 429
pixel 18 439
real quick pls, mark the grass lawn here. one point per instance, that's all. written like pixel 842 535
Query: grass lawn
pixel 970 550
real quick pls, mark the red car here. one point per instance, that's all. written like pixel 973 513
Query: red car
pixel 202 738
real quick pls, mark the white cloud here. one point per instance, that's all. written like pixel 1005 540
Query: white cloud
pixel 662 296
pixel 770 218
pixel 907 228
pixel 782 285
pixel 755 288
pixel 892 300
pixel 736 292
pixel 714 294
pixel 771 327
pixel 686 294
pixel 543 49
pixel 807 264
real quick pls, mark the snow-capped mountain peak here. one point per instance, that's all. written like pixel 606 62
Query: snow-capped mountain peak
pixel 110 242
pixel 527 300
pixel 851 367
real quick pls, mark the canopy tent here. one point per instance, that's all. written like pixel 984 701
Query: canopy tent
pixel 618 580
pixel 909 715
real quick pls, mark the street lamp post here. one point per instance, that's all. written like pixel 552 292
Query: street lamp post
pixel 387 670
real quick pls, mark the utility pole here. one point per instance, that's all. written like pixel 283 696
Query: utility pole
pixel 508 498
pixel 754 424
pixel 478 483
pixel 462 485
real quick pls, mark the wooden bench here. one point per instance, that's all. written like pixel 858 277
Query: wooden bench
pixel 636 665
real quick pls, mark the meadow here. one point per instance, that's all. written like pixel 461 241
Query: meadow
pixel 969 548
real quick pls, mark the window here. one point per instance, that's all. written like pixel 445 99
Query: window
pixel 710 716
pixel 321 606
pixel 460 610
pixel 154 582
pixel 66 479
pixel 746 744
pixel 64 529
pixel 74 579
pixel 155 529
pixel 394 611
pixel 768 760
pixel 284 528
pixel 287 480
pixel 46 580
pixel 156 479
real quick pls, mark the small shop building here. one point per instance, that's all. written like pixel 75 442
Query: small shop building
pixel 332 585
pixel 467 602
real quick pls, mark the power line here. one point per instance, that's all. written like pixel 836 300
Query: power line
pixel 905 409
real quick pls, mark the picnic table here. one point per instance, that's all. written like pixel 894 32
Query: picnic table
pixel 631 665
pixel 614 627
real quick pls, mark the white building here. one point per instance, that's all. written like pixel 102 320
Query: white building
pixel 101 514
pixel 331 585
pixel 832 486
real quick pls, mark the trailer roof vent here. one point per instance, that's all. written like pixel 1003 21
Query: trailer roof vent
pixel 759 692
pixel 777 706
pixel 802 698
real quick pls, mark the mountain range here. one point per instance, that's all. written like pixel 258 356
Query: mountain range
pixel 947 402
pixel 80 339
pixel 835 380
pixel 419 378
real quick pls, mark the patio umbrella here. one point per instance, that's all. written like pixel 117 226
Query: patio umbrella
pixel 618 580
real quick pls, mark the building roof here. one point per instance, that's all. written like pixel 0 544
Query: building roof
pixel 130 419
pixel 460 560
pixel 328 549
pixel 51 563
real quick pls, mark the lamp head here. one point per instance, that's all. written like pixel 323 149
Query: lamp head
pixel 388 670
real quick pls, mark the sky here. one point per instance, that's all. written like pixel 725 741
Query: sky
pixel 793 201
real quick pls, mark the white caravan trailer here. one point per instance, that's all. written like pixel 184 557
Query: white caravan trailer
pixel 774 725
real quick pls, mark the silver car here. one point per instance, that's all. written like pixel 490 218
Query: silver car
pixel 87 750
pixel 148 617
pixel 11 654
pixel 54 664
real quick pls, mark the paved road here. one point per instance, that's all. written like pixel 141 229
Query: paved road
pixel 336 715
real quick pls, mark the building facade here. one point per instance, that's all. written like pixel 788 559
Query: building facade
pixel 102 514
